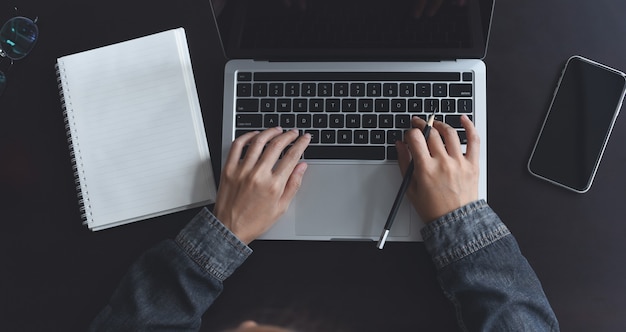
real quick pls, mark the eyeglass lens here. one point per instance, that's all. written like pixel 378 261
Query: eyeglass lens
pixel 17 38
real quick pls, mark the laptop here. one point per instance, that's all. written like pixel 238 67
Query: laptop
pixel 352 73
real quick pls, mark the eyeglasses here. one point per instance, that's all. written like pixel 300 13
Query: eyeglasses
pixel 17 38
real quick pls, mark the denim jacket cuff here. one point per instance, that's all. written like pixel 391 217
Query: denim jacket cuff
pixel 462 232
pixel 212 246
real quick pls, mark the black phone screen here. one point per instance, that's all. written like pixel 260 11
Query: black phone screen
pixel 578 124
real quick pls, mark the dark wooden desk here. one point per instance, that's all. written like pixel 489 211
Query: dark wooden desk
pixel 56 274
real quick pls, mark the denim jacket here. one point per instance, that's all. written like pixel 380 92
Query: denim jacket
pixel 480 269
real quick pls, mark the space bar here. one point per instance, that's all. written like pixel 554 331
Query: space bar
pixel 345 152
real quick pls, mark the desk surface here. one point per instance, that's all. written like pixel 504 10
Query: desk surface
pixel 56 274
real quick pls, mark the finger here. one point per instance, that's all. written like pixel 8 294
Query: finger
pixel 404 156
pixel 417 122
pixel 291 158
pixel 275 147
pixel 435 142
pixel 473 140
pixel 257 145
pixel 417 146
pixel 236 149
pixel 451 137
pixel 293 185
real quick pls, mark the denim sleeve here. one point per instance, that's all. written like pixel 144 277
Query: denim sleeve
pixel 170 286
pixel 482 271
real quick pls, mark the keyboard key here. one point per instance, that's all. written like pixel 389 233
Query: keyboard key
pixel 385 121
pixel 398 105
pixel 341 89
pixel 345 152
pixel 407 90
pixel 462 136
pixel 308 90
pixel 244 76
pixel 247 105
pixel 374 89
pixel 315 135
pixel 422 90
pixel 259 89
pixel 464 106
pixel 415 105
pixel 283 105
pixel 320 120
pixel 467 76
pixel 455 120
pixel 393 136
pixel 268 105
pixel 292 90
pixel 328 137
pixel 316 105
pixel 348 105
pixel 448 106
pixel 248 121
pixel 370 121
pixel 344 136
pixel 392 153
pixel 288 120
pixel 365 105
pixel 270 120
pixel 336 121
pixel 333 105
pixel 357 89
pixel 440 90
pixel 353 121
pixel 460 90
pixel 403 121
pixel 300 105
pixel 390 89
pixel 431 106
pixel 303 120
pixel 244 90
pixel 358 76
pixel 381 105
pixel 325 90
pixel 276 89
pixel 361 136
pixel 377 137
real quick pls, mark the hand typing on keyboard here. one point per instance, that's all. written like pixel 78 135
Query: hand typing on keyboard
pixel 444 178
pixel 256 189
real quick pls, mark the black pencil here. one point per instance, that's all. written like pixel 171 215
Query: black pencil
pixel 403 187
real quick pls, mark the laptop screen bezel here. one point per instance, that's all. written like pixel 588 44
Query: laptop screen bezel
pixel 481 12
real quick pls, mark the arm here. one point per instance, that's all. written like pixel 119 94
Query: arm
pixel 173 284
pixel 481 270
pixel 479 265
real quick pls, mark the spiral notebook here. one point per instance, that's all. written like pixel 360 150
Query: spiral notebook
pixel 135 130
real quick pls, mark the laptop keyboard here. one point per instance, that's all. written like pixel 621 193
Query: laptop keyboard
pixel 351 115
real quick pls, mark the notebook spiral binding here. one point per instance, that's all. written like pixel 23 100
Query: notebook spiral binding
pixel 74 149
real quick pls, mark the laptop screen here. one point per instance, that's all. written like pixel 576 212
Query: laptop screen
pixel 355 29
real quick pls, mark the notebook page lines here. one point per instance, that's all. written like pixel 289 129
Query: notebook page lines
pixel 137 115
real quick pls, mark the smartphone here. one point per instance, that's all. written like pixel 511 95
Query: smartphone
pixel 576 129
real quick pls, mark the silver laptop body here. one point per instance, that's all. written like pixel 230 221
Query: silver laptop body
pixel 348 199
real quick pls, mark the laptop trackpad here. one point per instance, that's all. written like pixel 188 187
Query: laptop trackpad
pixel 349 200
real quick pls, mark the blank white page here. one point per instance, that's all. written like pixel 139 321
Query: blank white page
pixel 136 129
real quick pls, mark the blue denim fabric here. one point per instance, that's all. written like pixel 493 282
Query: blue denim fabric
pixel 174 283
pixel 480 268
pixel 482 271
